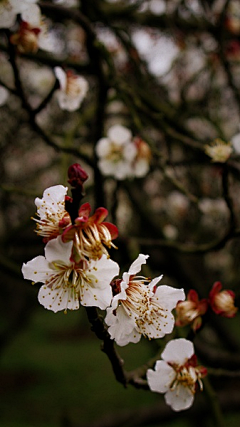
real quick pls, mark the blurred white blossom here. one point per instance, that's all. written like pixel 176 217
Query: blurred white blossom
pixel 9 10
pixel 73 89
pixel 121 155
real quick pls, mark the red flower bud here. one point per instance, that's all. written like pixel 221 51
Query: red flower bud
pixel 77 175
pixel 189 312
pixel 222 302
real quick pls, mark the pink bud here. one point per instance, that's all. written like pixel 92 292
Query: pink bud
pixel 77 175
pixel 189 312
pixel 222 302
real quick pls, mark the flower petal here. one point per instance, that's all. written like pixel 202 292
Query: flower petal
pixel 169 297
pixel 97 291
pixel 37 270
pixel 84 212
pixel 180 398
pixel 178 351
pixel 137 264
pixel 56 250
pixel 99 215
pixel 161 379
pixel 119 134
pixel 52 196
pixel 121 327
pixel 58 299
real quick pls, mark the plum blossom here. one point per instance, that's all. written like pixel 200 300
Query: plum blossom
pixel 219 150
pixel 140 309
pixel 90 234
pixel 26 38
pixel 66 283
pixel 73 89
pixel 189 312
pixel 222 301
pixel 177 375
pixel 33 32
pixel 9 10
pixel 53 217
pixel 116 153
pixel 121 155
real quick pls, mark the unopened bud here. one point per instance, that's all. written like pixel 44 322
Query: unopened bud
pixel 77 175
pixel 189 312
pixel 222 302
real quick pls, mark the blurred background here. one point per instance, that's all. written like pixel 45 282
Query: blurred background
pixel 168 71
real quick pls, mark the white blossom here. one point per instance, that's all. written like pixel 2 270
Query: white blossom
pixel 51 212
pixel 66 284
pixel 139 308
pixel 177 374
pixel 73 89
pixel 116 153
pixel 32 15
pixel 9 10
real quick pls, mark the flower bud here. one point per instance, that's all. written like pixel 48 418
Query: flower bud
pixel 77 175
pixel 189 312
pixel 222 302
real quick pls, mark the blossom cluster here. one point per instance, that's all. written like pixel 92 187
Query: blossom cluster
pixel 77 270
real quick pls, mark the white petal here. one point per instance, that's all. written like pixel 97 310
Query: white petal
pixel 58 299
pixel 168 297
pixel 20 6
pixel 52 200
pixel 137 264
pixel 103 147
pixel 37 270
pixel 105 269
pixel 141 168
pixel 119 134
pixel 178 351
pixel 236 143
pixel 91 296
pixel 7 17
pixel 98 292
pixel 129 152
pixel 32 15
pixel 122 170
pixel 161 379
pixel 180 398
pixel 154 282
pixel 121 295
pixel 121 327
pixel 106 167
pixel 56 250
pixel 67 102
pixel 61 76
